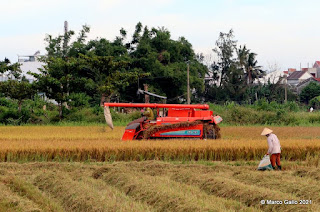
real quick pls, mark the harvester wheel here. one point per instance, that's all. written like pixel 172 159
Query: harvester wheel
pixel 211 131
pixel 217 131
pixel 211 134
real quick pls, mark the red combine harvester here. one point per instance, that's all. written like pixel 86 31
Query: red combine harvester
pixel 173 121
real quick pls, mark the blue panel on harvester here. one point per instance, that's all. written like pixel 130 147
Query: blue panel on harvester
pixel 183 132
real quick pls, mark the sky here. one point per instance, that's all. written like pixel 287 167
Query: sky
pixel 284 33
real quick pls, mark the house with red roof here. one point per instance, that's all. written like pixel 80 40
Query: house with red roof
pixel 315 70
pixel 300 79
pixel 297 77
pixel 316 64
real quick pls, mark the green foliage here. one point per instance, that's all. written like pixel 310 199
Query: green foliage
pixel 16 87
pixel 123 118
pixel 79 100
pixel 263 113
pixel 109 76
pixel 225 49
pixel 80 75
pixel 155 53
pixel 19 90
pixel 84 115
pixel 263 104
pixel 13 70
pixel 232 76
pixel 315 102
pixel 309 92
pixel 247 62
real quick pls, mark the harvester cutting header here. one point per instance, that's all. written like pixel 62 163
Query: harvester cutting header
pixel 173 121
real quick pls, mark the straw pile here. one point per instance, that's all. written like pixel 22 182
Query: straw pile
pixel 156 128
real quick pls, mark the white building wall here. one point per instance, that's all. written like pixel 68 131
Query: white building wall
pixel 273 77
pixel 312 71
pixel 32 66
pixel 293 82
pixel 305 76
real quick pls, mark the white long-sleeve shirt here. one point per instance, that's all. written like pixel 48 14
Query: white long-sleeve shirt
pixel 274 144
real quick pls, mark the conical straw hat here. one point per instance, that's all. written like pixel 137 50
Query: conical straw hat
pixel 266 131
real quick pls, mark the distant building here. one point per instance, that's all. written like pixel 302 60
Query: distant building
pixel 306 82
pixel 297 77
pixel 314 71
pixel 30 63
pixel 3 77
pixel 291 70
pixel 317 67
pixel 272 77
pixel 27 63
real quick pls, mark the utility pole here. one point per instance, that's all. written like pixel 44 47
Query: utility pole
pixel 285 90
pixel 65 41
pixel 65 45
pixel 188 85
pixel 146 96
pixel 300 67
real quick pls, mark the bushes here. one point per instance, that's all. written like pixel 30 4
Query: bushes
pixel 38 111
pixel 310 91
pixel 315 102
pixel 262 113
pixel 263 104
pixel 240 115
pixel 83 115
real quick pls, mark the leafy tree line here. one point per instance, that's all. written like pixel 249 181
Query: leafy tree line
pixel 81 74
pixel 235 76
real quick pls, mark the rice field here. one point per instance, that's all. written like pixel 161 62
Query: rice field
pixel 156 186
pixel 97 143
pixel 89 168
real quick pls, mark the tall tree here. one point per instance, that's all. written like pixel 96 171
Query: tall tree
pixel 235 69
pixel 165 60
pixel 235 83
pixel 225 48
pixel 16 87
pixel 57 77
pixel 247 61
pixel 19 90
pixel 109 76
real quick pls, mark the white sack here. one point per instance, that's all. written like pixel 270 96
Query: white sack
pixel 265 163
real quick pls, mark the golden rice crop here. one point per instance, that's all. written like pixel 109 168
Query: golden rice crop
pixel 82 195
pixel 96 143
pixel 155 186
pixel 166 195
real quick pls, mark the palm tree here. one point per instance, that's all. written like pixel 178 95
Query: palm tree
pixel 243 56
pixel 248 62
pixel 252 69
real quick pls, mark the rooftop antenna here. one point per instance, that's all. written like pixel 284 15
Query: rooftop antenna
pixel 300 66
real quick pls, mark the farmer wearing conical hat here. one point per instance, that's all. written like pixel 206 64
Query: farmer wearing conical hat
pixel 274 147
pixel 149 113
